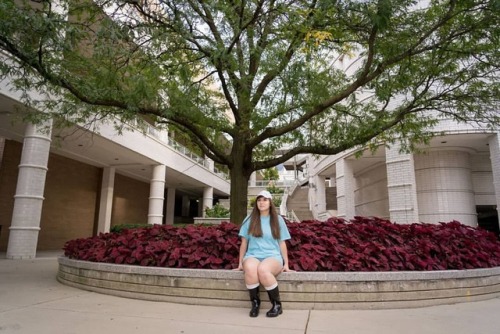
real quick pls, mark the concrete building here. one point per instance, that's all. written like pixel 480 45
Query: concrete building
pixel 60 184
pixel 456 177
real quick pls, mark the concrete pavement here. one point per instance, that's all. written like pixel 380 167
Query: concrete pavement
pixel 33 302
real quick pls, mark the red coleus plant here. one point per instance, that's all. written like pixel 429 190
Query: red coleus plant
pixel 362 244
pixel 212 247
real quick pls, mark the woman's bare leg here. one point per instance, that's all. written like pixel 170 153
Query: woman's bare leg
pixel 250 268
pixel 268 270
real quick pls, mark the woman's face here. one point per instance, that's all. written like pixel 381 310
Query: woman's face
pixel 263 204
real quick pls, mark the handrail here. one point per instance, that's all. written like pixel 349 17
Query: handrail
pixel 284 199
pixel 291 190
pixel 323 216
pixel 292 216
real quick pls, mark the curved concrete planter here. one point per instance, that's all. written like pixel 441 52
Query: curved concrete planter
pixel 299 290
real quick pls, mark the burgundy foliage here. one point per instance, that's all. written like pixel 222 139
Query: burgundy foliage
pixel 362 244
pixel 214 247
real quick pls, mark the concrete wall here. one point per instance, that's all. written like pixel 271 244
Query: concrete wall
pixel 8 178
pixel 371 195
pixel 69 207
pixel 71 202
pixel 130 201
pixel 482 180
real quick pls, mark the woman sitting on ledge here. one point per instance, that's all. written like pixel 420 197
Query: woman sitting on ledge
pixel 263 252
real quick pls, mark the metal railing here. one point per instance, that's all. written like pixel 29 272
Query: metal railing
pixel 276 183
pixel 162 137
pixel 323 216
pixel 283 207
pixel 290 215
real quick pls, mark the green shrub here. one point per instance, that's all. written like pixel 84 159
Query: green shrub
pixel 275 190
pixel 119 228
pixel 217 211
pixel 276 201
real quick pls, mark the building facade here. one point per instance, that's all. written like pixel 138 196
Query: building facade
pixel 455 177
pixel 58 184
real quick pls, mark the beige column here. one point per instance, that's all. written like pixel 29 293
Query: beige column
pixel 106 201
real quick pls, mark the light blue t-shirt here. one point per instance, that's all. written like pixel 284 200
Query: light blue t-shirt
pixel 265 246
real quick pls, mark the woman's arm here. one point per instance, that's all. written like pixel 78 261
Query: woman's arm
pixel 243 250
pixel 284 253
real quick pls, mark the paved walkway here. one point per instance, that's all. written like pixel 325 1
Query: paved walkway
pixel 33 302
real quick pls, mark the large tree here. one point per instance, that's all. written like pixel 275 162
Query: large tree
pixel 246 78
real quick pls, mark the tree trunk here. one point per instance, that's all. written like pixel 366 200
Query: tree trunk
pixel 239 193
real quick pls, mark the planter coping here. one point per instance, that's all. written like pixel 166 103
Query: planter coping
pixel 288 276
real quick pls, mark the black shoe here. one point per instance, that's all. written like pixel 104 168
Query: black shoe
pixel 274 297
pixel 255 299
pixel 275 310
pixel 254 312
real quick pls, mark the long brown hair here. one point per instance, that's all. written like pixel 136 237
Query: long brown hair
pixel 255 228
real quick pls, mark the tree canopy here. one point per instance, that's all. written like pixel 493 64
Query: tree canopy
pixel 312 76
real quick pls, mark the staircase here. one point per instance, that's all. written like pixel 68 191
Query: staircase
pixel 299 203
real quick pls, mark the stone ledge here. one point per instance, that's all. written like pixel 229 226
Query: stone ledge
pixel 300 290
pixel 209 220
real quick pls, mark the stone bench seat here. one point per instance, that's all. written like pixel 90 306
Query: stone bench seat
pixel 299 290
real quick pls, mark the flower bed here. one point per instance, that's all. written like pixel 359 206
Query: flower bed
pixel 362 244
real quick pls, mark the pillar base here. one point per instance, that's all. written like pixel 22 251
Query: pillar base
pixel 22 243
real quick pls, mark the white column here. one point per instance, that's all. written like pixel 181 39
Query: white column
pixel 170 211
pixel 28 200
pixel 106 201
pixel 345 189
pixel 253 179
pixel 401 186
pixel 208 199
pixel 445 191
pixel 494 144
pixel 318 196
pixel 156 195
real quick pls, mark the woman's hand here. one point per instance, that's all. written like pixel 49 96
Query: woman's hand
pixel 284 253
pixel 243 249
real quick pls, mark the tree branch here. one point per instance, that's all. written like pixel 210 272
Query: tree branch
pixel 202 142
pixel 365 77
